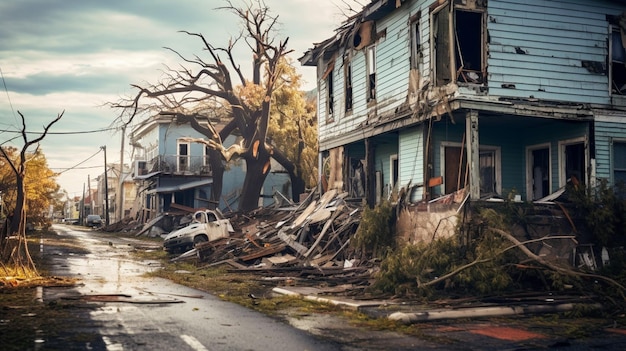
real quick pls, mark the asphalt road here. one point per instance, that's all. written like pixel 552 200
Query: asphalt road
pixel 133 312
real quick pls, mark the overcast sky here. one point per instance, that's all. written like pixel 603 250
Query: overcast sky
pixel 76 55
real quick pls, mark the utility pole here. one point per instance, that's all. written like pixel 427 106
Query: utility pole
pixel 119 203
pixel 106 187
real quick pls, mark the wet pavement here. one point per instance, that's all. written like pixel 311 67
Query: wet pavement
pixel 129 311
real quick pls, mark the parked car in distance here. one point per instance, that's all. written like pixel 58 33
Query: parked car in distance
pixel 93 220
pixel 70 220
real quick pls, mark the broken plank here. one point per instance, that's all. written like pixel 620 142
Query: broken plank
pixel 263 252
pixel 301 249
pixel 149 225
pixel 324 230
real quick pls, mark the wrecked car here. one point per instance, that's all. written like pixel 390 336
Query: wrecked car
pixel 207 225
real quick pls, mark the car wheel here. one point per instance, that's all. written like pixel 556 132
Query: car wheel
pixel 199 239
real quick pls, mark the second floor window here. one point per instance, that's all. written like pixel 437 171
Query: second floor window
pixel 469 50
pixel 183 157
pixel 330 94
pixel 618 63
pixel 348 86
pixel 460 58
pixel 371 73
pixel 416 49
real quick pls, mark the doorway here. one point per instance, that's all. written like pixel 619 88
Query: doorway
pixel 539 172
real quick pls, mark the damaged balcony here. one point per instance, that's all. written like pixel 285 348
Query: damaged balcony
pixel 175 165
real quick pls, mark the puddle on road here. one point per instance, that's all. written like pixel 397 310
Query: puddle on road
pixel 106 269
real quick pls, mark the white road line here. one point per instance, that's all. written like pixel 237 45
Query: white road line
pixel 193 342
pixel 110 346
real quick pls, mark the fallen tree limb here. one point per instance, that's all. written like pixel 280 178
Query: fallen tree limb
pixel 483 260
pixel 554 267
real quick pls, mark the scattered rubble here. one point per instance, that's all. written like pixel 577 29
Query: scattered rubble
pixel 308 240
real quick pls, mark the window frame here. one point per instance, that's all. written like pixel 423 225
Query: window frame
pixel 330 95
pixel 497 154
pixel 614 157
pixel 348 87
pixel 416 47
pixel 615 30
pixel 445 47
pixel 563 144
pixel 370 63
pixel 180 157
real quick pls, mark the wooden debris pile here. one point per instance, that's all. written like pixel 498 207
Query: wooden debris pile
pixel 312 237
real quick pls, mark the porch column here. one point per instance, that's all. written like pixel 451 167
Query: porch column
pixel 473 155
pixel 370 174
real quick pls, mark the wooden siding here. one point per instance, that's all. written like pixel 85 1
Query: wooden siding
pixel 168 139
pixel 411 159
pixel 392 75
pixel 605 132
pixel 382 163
pixel 555 38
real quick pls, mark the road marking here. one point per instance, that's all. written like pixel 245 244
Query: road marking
pixel 111 346
pixel 193 342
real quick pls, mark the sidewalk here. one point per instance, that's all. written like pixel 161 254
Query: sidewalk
pixel 478 325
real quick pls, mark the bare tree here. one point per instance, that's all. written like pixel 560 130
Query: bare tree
pixel 15 252
pixel 221 80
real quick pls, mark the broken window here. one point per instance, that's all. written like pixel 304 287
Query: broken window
pixel 456 171
pixel 575 162
pixel 469 46
pixel 416 53
pixel 619 162
pixel 206 163
pixel 467 64
pixel 487 162
pixel 183 157
pixel 347 71
pixel 371 73
pixel 618 63
pixel 330 95
pixel 441 45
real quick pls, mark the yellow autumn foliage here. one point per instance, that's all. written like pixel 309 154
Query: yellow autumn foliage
pixel 39 183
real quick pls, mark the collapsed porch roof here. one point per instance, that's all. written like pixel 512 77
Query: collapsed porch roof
pixel 180 187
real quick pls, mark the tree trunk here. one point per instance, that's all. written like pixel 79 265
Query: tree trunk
pixel 217 174
pixel 18 219
pixel 257 170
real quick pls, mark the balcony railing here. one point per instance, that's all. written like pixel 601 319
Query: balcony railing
pixel 177 164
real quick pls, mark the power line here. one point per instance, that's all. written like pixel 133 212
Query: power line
pixel 62 133
pixel 65 169
pixel 80 163
pixel 7 91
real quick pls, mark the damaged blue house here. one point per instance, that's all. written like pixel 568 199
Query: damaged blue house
pixel 496 99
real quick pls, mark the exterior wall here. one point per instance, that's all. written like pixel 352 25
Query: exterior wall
pixel 607 129
pixel 392 77
pixel 511 139
pixel 169 135
pixel 539 47
pixel 382 164
pixel 411 160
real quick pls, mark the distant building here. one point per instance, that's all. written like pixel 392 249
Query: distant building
pixel 170 173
